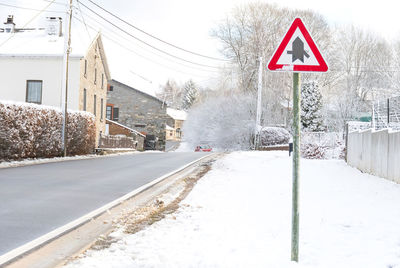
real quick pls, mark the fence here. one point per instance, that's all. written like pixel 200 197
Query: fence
pixel 375 152
pixel 117 141
pixel 387 113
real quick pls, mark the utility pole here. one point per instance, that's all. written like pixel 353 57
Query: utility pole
pixel 258 116
pixel 67 50
pixel 296 167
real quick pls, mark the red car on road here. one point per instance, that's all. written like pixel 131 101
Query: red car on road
pixel 204 148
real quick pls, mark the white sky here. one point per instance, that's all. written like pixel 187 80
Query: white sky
pixel 187 23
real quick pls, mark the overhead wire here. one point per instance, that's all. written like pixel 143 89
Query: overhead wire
pixel 148 34
pixel 144 42
pixel 145 49
pixel 29 21
pixel 138 54
pixel 84 22
pixel 28 8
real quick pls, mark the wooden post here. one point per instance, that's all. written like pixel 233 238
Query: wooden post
pixel 66 63
pixel 296 165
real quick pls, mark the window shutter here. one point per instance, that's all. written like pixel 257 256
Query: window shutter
pixel 115 114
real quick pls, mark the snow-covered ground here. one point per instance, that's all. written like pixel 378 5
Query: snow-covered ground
pixel 239 215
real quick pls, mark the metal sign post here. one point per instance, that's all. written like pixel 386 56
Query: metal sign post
pixel 297 53
pixel 296 168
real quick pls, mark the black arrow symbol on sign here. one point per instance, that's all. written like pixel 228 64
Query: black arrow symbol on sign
pixel 298 51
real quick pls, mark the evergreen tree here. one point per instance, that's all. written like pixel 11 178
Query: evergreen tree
pixel 189 96
pixel 311 105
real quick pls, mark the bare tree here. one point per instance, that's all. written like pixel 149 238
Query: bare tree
pixel 171 94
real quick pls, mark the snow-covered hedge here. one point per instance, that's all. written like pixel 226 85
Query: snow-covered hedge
pixel 30 131
pixel 274 136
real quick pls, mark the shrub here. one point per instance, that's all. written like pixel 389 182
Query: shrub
pixel 322 145
pixel 30 131
pixel 274 136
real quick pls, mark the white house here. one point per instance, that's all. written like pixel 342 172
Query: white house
pixel 174 132
pixel 31 67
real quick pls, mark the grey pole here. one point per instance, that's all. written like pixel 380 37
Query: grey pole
pixel 296 164
pixel 388 112
pixel 259 96
pixel 66 59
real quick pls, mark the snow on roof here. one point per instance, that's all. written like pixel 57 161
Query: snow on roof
pixel 37 42
pixel 128 128
pixel 168 128
pixel 177 114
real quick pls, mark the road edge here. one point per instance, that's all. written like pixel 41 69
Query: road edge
pixel 31 246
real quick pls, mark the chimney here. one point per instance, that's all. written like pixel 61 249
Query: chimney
pixel 54 26
pixel 9 24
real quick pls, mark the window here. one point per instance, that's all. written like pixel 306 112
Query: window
pixel 34 91
pixel 85 73
pixel 109 111
pixel 102 80
pixel 84 99
pixel 94 105
pixel 101 108
pixel 95 76
pixel 110 88
pixel 115 114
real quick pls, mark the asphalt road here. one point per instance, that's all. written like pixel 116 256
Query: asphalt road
pixel 35 200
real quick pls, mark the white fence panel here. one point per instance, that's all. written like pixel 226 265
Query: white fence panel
pixel 394 157
pixel 375 152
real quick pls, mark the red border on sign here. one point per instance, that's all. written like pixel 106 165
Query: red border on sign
pixel 273 66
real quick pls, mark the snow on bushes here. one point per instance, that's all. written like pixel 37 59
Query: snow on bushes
pixel 274 136
pixel 30 131
pixel 224 122
pixel 322 145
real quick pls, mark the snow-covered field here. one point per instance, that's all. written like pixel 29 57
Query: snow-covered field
pixel 239 215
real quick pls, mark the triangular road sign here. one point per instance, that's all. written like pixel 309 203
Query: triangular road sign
pixel 297 52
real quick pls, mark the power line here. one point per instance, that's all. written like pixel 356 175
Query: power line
pixel 153 47
pixel 29 21
pixel 27 8
pixel 148 34
pixel 84 22
pixel 134 52
pixel 147 50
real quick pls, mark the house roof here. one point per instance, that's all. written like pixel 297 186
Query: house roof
pixel 128 128
pixel 38 43
pixel 168 127
pixel 177 114
pixel 99 42
pixel 132 88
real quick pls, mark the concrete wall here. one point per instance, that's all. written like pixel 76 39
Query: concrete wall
pixel 16 70
pixel 375 152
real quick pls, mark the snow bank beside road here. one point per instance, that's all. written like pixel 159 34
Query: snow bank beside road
pixel 239 215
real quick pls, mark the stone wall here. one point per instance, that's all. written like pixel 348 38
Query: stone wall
pixel 139 111
pixel 93 82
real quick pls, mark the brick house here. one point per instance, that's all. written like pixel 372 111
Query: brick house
pixel 32 60
pixel 137 110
